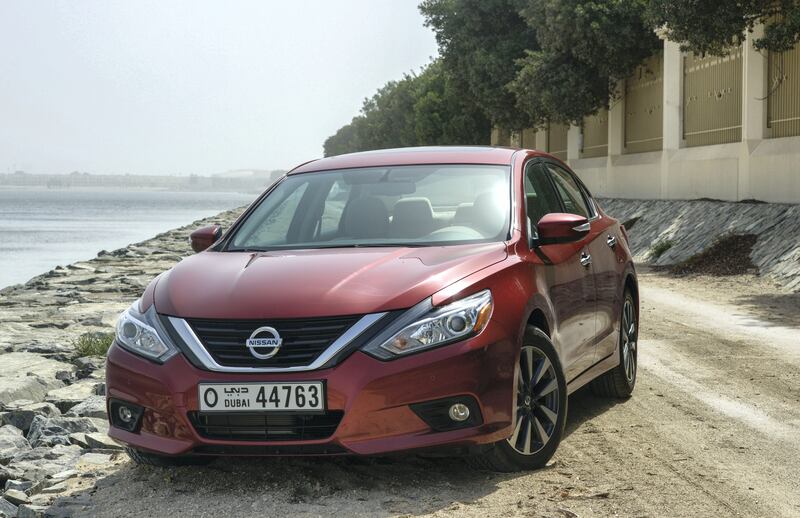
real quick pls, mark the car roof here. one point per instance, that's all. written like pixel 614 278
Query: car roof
pixel 412 156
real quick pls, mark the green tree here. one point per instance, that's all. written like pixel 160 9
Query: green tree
pixel 480 42
pixel 422 109
pixel 442 115
pixel 586 48
pixel 347 139
pixel 714 26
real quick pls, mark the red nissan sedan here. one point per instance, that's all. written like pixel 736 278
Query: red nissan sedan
pixel 443 298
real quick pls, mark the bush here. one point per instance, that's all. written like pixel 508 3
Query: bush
pixel 658 249
pixel 93 344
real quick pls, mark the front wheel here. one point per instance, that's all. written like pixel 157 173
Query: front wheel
pixel 541 410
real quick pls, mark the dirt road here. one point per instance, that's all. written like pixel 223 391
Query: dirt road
pixel 713 429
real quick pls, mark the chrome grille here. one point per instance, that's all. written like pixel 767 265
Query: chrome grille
pixel 303 339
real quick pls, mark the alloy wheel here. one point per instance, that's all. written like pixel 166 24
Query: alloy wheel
pixel 537 402
pixel 628 335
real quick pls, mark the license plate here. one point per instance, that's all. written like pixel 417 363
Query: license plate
pixel 261 397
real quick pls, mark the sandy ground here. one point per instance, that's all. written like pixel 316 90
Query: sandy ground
pixel 713 429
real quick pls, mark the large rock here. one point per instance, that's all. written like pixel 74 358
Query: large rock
pixel 21 413
pixel 40 463
pixel 88 364
pixel 31 511
pixel 8 473
pixel 78 439
pixel 93 406
pixel 12 442
pixel 67 397
pixel 49 431
pixel 16 497
pixel 29 376
pixel 101 441
pixel 7 509
pixel 51 350
pixel 19 485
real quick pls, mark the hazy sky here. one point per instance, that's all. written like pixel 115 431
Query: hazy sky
pixel 192 86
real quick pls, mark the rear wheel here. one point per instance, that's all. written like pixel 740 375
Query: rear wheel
pixel 144 458
pixel 620 381
pixel 541 409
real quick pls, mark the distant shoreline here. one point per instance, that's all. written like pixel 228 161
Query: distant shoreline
pixel 247 181
pixel 93 188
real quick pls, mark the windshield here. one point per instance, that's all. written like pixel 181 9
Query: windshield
pixel 391 206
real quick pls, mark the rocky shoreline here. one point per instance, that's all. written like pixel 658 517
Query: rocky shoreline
pixel 52 402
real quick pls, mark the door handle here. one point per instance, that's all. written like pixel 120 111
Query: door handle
pixel 586 259
pixel 611 241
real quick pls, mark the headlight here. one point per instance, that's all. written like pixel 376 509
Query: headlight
pixel 438 326
pixel 138 333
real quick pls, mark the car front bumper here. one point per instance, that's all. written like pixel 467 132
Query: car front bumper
pixel 374 395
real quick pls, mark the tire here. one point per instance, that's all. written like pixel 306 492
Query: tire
pixel 162 461
pixel 620 381
pixel 541 411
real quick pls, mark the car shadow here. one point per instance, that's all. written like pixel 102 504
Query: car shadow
pixel 585 406
pixel 350 486
pixel 780 309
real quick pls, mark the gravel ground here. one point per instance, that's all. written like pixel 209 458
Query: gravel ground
pixel 712 429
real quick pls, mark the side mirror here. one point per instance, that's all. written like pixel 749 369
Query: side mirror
pixel 202 238
pixel 557 228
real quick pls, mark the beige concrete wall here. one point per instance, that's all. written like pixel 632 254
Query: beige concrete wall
pixel 757 167
pixel 775 170
pixel 635 176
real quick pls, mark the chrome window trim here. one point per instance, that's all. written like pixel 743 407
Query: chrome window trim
pixel 191 340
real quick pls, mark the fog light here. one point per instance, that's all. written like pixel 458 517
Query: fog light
pixel 125 414
pixel 459 412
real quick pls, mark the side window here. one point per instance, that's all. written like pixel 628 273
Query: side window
pixel 540 197
pixel 569 191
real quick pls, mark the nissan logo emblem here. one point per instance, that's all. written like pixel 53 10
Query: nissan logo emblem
pixel 264 343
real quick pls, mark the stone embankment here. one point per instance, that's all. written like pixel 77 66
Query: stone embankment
pixel 684 229
pixel 52 405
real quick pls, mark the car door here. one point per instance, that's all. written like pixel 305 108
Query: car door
pixel 608 261
pixel 573 201
pixel 567 276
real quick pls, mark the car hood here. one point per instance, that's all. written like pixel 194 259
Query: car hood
pixel 313 283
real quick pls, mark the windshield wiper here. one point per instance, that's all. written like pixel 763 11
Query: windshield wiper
pixel 302 246
pixel 369 245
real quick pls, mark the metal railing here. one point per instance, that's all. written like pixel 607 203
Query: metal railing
pixel 712 98
pixel 644 106
pixel 595 135
pixel 783 101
